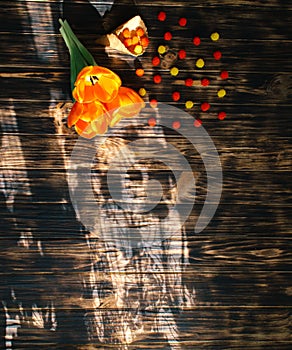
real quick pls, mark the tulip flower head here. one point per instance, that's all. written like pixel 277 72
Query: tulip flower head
pixel 126 104
pixel 101 101
pixel 96 83
pixel 89 119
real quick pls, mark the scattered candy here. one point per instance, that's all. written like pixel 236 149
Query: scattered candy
pixel 155 61
pixel 217 55
pixel 215 36
pixel 205 82
pixel 161 16
pixel 176 124
pixel 196 41
pixel 167 36
pixel 224 74
pixel 138 41
pixel 221 115
pixel 174 71
pixel 182 54
pixel 221 93
pixel 157 79
pixel 182 22
pixel 151 122
pixel 176 96
pixel 142 92
pixel 197 123
pixel 200 63
pixel 161 49
pixel 153 103
pixel 139 72
pixel 189 82
pixel 189 104
pixel 205 106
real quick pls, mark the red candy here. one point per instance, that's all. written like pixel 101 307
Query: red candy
pixel 175 96
pixel 176 124
pixel 152 122
pixel 157 79
pixel 182 22
pixel 196 41
pixel 155 61
pixel 205 106
pixel 197 123
pixel 182 54
pixel 217 55
pixel 153 103
pixel 205 82
pixel 221 115
pixel 167 36
pixel 189 82
pixel 161 16
pixel 224 74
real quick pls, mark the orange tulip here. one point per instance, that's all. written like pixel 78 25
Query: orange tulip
pixel 126 104
pixel 89 119
pixel 96 83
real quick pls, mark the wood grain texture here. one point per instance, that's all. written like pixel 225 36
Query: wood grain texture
pixel 239 270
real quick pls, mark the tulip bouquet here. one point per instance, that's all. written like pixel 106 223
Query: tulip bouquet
pixel 100 99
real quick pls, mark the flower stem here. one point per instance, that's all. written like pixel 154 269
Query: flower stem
pixel 80 57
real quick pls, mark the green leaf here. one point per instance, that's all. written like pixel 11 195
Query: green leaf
pixel 80 57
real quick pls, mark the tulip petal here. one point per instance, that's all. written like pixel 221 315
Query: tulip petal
pixel 127 104
pixel 84 129
pixel 106 89
pixel 99 126
pixel 74 114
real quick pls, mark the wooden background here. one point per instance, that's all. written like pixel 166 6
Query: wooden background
pixel 240 265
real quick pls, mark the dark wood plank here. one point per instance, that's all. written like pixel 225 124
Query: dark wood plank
pixel 239 270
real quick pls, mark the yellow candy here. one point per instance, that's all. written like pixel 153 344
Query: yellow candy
pixel 200 63
pixel 215 36
pixel 221 93
pixel 142 92
pixel 189 104
pixel 161 49
pixel 174 71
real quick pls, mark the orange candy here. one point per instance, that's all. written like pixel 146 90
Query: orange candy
pixel 139 72
pixel 144 41
pixel 140 31
pixel 127 42
pixel 135 40
pixel 126 33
